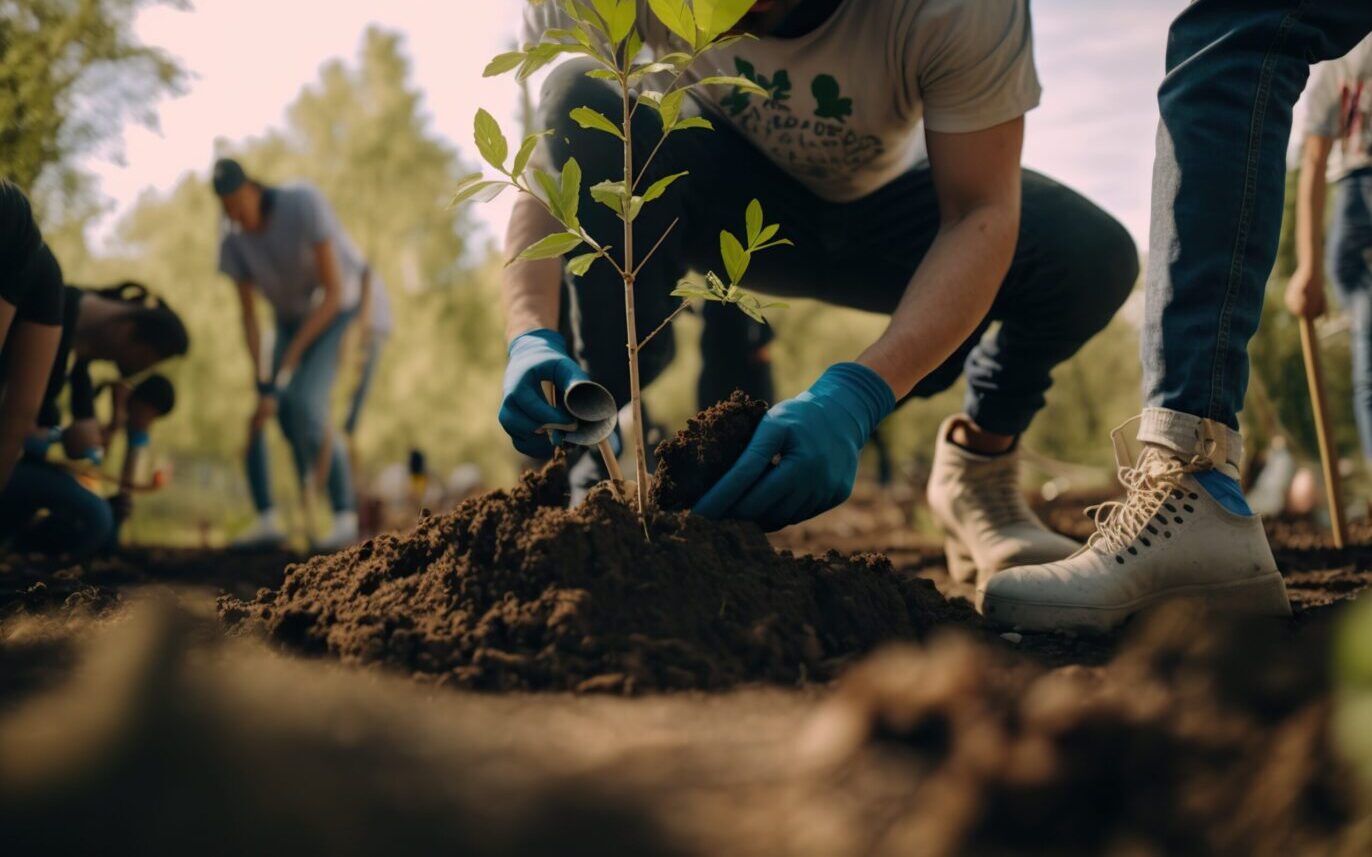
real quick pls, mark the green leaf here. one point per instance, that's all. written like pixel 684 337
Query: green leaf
pixel 716 284
pixel 582 13
pixel 670 107
pixel 635 206
pixel 650 68
pixel 602 74
pixel 659 187
pixel 766 235
pixel 588 118
pixel 472 187
pixel 609 194
pixel 621 19
pixel 781 242
pixel 634 45
pixel 489 141
pixel 693 122
pixel 579 265
pixel 678 59
pixel 716 17
pixel 686 290
pixel 540 55
pixel 503 63
pixel 731 80
pixel 570 196
pixel 753 218
pixel 676 16
pixel 735 257
pixel 553 245
pixel 526 151
pixel 552 191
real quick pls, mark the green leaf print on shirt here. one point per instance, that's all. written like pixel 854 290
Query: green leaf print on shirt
pixel 830 105
pixel 778 89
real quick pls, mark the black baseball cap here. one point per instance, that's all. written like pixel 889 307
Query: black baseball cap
pixel 229 176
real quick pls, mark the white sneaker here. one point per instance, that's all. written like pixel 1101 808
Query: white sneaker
pixel 265 533
pixel 1168 538
pixel 344 532
pixel 978 502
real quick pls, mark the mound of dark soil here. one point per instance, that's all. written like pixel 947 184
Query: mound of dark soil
pixel 695 459
pixel 1202 737
pixel 512 590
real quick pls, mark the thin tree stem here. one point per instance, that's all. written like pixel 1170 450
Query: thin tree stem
pixel 630 321
pixel 660 239
pixel 643 343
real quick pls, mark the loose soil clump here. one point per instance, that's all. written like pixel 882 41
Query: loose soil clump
pixel 690 463
pixel 514 591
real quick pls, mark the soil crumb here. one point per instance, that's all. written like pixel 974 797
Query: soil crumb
pixel 513 591
pixel 695 459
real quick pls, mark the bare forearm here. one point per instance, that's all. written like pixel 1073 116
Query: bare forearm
pixel 530 292
pixel 1310 198
pixel 947 298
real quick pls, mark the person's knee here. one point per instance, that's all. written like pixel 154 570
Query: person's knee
pixel 1101 263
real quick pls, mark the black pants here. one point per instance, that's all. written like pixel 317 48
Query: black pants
pixel 1073 267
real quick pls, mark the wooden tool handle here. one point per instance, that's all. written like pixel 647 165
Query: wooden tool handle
pixel 1314 377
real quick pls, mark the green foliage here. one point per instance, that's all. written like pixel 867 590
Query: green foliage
pixel 360 135
pixel 70 72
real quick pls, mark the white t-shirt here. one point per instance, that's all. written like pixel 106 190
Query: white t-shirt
pixel 847 98
pixel 1340 108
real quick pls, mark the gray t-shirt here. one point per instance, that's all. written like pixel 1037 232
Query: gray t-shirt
pixel 280 260
pixel 846 99
pixel 1340 108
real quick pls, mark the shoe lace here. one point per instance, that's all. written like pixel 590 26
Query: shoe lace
pixel 1148 485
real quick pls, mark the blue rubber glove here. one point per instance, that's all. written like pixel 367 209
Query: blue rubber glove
pixel 818 435
pixel 537 356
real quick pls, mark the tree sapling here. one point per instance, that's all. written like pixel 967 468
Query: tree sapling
pixel 605 31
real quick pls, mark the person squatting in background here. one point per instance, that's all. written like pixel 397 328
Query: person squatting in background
pixel 285 244
pixel 44 507
pixel 30 322
pixel 1338 151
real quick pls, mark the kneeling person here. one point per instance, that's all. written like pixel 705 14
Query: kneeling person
pixel 939 244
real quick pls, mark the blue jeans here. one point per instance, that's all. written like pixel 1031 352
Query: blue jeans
pixel 77 522
pixel 1073 267
pixel 1349 263
pixel 303 412
pixel 1234 70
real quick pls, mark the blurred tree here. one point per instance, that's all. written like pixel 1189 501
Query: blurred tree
pixel 360 134
pixel 70 71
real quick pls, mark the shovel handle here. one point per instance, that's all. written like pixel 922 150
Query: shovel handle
pixel 1314 377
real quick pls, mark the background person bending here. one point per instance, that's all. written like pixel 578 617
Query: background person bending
pixel 286 245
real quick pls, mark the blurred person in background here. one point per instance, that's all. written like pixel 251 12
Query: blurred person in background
pixel 1338 151
pixel 45 507
pixel 1234 71
pixel 31 293
pixel 285 244
pixel 941 230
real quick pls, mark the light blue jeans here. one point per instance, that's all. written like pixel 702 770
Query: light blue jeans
pixel 1349 251
pixel 303 412
pixel 1234 70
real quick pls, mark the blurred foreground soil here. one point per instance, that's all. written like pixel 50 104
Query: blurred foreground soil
pixel 130 723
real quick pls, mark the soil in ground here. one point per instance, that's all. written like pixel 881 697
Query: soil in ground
pixel 514 591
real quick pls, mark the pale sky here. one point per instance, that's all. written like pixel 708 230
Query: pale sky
pixel 1099 60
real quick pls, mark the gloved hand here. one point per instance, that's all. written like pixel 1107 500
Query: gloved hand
pixel 537 356
pixel 818 435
